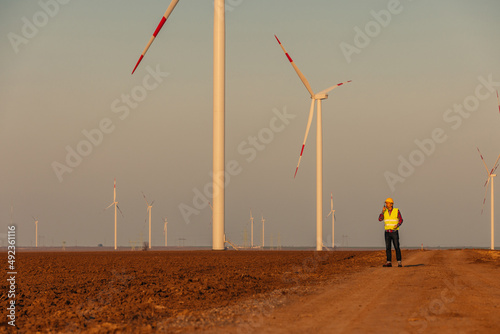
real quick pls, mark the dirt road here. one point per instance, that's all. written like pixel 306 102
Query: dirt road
pixel 445 291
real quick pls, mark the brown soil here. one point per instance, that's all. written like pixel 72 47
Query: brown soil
pixel 255 291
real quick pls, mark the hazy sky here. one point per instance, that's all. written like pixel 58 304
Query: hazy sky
pixel 421 99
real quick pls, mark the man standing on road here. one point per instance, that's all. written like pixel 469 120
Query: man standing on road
pixel 392 220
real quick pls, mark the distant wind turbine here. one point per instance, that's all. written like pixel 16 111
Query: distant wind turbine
pixel 491 176
pixel 149 206
pixel 251 227
pixel 115 203
pixel 319 145
pixel 219 64
pixel 165 230
pixel 332 212
pixel 212 216
pixel 36 231
pixel 263 221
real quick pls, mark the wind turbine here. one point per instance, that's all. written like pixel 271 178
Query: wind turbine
pixel 491 176
pixel 165 230
pixel 149 211
pixel 263 221
pixel 36 231
pixel 332 212
pixel 218 237
pixel 251 226
pixel 319 145
pixel 115 203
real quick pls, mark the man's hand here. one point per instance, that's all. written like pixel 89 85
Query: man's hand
pixel 383 209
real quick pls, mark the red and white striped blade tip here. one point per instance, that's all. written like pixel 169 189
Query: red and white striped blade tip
pixel 158 28
pixel 138 62
pixel 300 157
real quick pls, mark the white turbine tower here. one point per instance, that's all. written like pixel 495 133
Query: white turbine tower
pixel 219 45
pixel 115 203
pixel 319 145
pixel 149 206
pixel 36 231
pixel 491 176
pixel 251 227
pixel 165 230
pixel 332 212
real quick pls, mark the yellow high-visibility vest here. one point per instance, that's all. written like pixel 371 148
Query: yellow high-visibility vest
pixel 391 220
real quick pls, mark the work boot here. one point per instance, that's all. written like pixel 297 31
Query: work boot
pixel 400 264
pixel 388 264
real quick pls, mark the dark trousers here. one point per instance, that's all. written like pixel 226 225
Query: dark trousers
pixel 394 236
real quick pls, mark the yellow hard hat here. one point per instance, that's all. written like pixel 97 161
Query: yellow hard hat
pixel 389 200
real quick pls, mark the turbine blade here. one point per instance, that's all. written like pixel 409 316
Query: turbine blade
pixel 158 28
pixel 120 210
pixel 145 198
pixel 487 181
pixel 331 201
pixel 487 171
pixel 301 76
pixel 495 166
pixel 152 203
pixel 251 217
pixel 498 99
pixel 109 206
pixel 485 194
pixel 333 87
pixel 309 121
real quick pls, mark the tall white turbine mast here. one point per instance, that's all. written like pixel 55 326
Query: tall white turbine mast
pixel 115 203
pixel 251 226
pixel 165 230
pixel 36 231
pixel 332 212
pixel 149 206
pixel 491 176
pixel 218 236
pixel 319 145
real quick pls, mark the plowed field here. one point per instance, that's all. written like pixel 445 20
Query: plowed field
pixel 147 291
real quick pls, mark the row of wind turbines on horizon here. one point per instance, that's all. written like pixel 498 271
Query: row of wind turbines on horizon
pixel 149 207
pixel 251 220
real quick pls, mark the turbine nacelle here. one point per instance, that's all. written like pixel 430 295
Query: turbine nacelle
pixel 320 96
